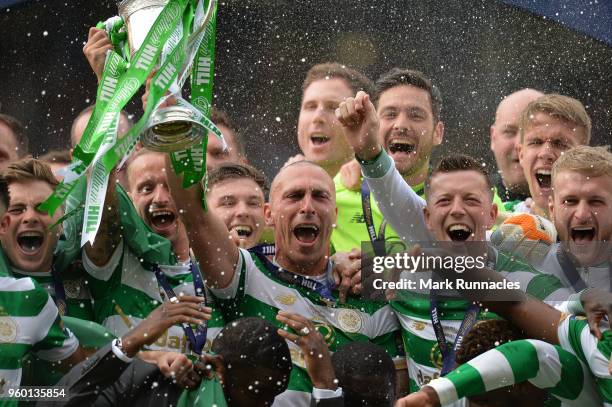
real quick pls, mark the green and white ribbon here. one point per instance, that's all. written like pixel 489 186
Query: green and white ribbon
pixel 192 162
pixel 96 191
pixel 100 149
pixel 127 85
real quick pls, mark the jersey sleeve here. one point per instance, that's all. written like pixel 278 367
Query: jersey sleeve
pixel 575 336
pixel 544 365
pixel 105 272
pixel 229 298
pixel 399 204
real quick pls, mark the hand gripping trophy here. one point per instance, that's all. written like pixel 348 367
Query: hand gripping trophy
pixel 172 128
pixel 177 39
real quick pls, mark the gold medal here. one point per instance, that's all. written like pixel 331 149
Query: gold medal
pixel 72 288
pixel 435 356
pixel 297 357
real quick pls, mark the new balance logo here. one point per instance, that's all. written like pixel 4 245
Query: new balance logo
pixel 358 218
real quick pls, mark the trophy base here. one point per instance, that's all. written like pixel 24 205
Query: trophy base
pixel 172 129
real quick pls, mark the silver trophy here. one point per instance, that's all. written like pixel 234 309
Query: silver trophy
pixel 172 128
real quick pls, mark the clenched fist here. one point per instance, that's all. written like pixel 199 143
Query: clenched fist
pixel 358 118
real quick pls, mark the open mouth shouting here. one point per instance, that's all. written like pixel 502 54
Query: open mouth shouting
pixel 583 234
pixel 306 233
pixel 319 139
pixel 30 242
pixel 242 231
pixel 459 232
pixel 162 219
pixel 401 145
pixel 543 178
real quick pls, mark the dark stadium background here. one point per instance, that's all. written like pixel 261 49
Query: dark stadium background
pixel 476 51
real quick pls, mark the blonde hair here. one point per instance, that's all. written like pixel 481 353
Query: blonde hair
pixel 561 107
pixel 589 161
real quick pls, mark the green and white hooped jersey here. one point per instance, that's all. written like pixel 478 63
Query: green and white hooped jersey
pixel 76 288
pixel 413 311
pixel 575 337
pixel 546 366
pixel 29 323
pixel 125 293
pixel 254 291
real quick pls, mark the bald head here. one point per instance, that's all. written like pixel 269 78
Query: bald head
pixel 302 211
pixel 505 137
pixel 297 170
pixel 516 102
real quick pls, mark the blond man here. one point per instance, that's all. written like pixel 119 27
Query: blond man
pixel 549 126
pixel 581 209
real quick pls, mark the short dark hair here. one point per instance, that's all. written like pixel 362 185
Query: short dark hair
pixel 486 335
pixel 251 343
pixel 227 171
pixel 459 162
pixel 399 76
pixel 19 131
pixel 56 157
pixel 333 70
pixel 26 169
pixel 220 117
pixel 357 362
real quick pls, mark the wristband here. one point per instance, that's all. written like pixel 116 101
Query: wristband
pixel 370 161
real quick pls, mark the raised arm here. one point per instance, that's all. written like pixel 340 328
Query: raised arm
pixel 98 44
pixel 208 236
pixel 546 366
pixel 400 205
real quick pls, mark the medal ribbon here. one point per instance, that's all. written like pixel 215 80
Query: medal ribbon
pixel 378 242
pixel 197 339
pixel 324 290
pixel 60 292
pixel 448 353
pixel 470 318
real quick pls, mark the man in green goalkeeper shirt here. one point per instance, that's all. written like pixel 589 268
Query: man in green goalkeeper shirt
pixel 297 278
pixel 408 106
